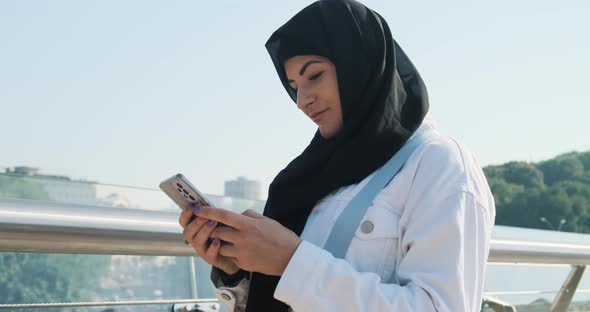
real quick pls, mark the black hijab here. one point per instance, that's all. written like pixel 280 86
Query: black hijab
pixel 383 100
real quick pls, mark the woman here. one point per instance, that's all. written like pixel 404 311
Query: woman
pixel 422 244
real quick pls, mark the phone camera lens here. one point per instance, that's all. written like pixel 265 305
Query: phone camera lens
pixel 179 190
pixel 191 197
pixel 185 191
pixel 179 185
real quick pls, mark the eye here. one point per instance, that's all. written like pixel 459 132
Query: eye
pixel 316 76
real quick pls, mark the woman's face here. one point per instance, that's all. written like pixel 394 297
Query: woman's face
pixel 314 79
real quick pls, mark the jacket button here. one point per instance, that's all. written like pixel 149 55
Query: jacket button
pixel 367 227
pixel 226 297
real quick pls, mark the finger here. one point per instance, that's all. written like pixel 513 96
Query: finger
pixel 213 255
pixel 253 214
pixel 186 217
pixel 226 234
pixel 213 251
pixel 193 228
pixel 200 240
pixel 226 217
pixel 228 250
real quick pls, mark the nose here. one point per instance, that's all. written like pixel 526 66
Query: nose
pixel 304 100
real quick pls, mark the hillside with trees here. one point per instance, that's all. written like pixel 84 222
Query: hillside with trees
pixel 552 194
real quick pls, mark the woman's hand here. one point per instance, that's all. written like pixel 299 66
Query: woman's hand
pixel 256 243
pixel 197 233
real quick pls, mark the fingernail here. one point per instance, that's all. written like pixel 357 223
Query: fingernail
pixel 216 242
pixel 211 223
pixel 196 209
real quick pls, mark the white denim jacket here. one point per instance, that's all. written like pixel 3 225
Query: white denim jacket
pixel 422 245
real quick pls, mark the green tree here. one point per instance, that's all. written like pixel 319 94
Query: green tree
pixel 563 168
pixel 585 159
pixel 16 187
pixel 503 191
pixel 518 212
pixel 524 174
pixel 554 204
pixel 494 172
pixel 32 277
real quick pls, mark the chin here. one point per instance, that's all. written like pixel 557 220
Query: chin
pixel 326 134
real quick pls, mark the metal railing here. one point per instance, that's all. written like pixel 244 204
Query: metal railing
pixel 33 226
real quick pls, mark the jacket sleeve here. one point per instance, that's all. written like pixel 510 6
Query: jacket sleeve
pixel 444 249
pixel 232 297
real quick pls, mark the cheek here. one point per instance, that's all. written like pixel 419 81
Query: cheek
pixel 334 93
pixel 330 93
pixel 335 104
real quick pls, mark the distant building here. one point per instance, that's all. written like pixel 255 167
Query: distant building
pixel 59 188
pixel 114 200
pixel 242 188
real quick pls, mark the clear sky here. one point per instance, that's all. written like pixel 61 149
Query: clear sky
pixel 131 92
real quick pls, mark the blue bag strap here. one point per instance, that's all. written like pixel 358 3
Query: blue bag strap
pixel 350 218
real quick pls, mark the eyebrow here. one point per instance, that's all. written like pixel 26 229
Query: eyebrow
pixel 304 68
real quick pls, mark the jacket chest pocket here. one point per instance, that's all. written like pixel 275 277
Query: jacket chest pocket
pixel 375 243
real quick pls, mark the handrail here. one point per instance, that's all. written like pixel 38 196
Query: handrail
pixel 525 251
pixel 102 303
pixel 34 226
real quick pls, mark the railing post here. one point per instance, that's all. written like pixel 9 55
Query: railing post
pixel 568 289
pixel 193 273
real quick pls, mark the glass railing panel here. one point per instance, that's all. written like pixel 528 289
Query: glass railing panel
pixel 531 287
pixel 62 190
pixel 53 278
pixel 515 283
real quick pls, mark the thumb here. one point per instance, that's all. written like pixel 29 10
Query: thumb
pixel 253 214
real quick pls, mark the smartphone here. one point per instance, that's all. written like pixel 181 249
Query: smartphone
pixel 183 192
pixel 185 195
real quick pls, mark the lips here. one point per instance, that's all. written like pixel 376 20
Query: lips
pixel 317 116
